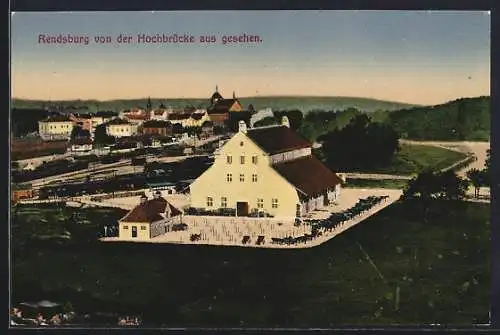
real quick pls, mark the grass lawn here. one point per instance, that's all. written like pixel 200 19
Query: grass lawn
pixel 376 183
pixel 440 268
pixel 416 158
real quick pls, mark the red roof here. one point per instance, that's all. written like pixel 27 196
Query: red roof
pixel 157 124
pixel 149 211
pixel 308 175
pixel 137 116
pixel 179 116
pixel 277 139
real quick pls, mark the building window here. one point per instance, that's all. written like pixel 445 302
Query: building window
pixel 254 159
pixel 274 203
pixel 241 143
pixel 143 227
pixel 125 227
pixel 242 177
pixel 223 202
pixel 242 159
pixel 260 203
pixel 254 178
pixel 229 177
pixel 229 159
pixel 210 202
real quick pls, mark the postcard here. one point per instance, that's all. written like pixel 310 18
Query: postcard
pixel 250 169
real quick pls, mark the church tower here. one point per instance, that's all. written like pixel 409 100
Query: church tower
pixel 216 97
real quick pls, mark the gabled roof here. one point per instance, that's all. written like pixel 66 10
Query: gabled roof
pixel 277 139
pixel 179 116
pixel 137 116
pixel 117 122
pixel 83 116
pixel 157 124
pixel 223 105
pixel 150 211
pixel 58 118
pixel 308 175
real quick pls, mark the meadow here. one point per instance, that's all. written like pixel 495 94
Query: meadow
pixel 390 269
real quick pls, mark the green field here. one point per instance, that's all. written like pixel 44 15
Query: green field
pixel 440 268
pixel 412 159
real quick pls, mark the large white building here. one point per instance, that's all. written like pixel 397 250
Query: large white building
pixel 270 170
pixel 121 128
pixel 55 128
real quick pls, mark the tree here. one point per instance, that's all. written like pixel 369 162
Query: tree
pixel 75 132
pixel 101 136
pixel 452 187
pixel 477 179
pixel 361 144
pixel 295 117
pixel 267 121
pixel 428 186
pixel 177 128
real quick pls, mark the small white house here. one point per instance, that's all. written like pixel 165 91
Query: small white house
pixel 81 145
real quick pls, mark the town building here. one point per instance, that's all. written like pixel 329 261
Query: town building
pixel 121 128
pixel 196 119
pixel 20 192
pixel 81 145
pixel 56 127
pixel 220 108
pixel 100 118
pixel 268 170
pixel 84 121
pixel 150 218
pixel 161 113
pixel 157 127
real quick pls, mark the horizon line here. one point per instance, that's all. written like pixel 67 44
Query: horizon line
pixel 245 97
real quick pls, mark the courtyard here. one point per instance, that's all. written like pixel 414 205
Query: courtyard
pixel 258 232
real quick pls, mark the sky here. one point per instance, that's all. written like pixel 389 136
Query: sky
pixel 421 57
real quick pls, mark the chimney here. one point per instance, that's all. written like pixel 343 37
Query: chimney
pixel 144 199
pixel 157 195
pixel 242 126
pixel 285 122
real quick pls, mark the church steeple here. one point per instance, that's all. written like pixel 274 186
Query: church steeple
pixel 216 88
pixel 234 95
pixel 148 106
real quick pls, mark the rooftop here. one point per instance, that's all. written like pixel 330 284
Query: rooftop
pixel 117 122
pixel 308 175
pixel 156 124
pixel 150 211
pixel 57 118
pixel 277 139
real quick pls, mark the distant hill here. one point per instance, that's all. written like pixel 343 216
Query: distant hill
pixel 303 103
pixel 461 119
